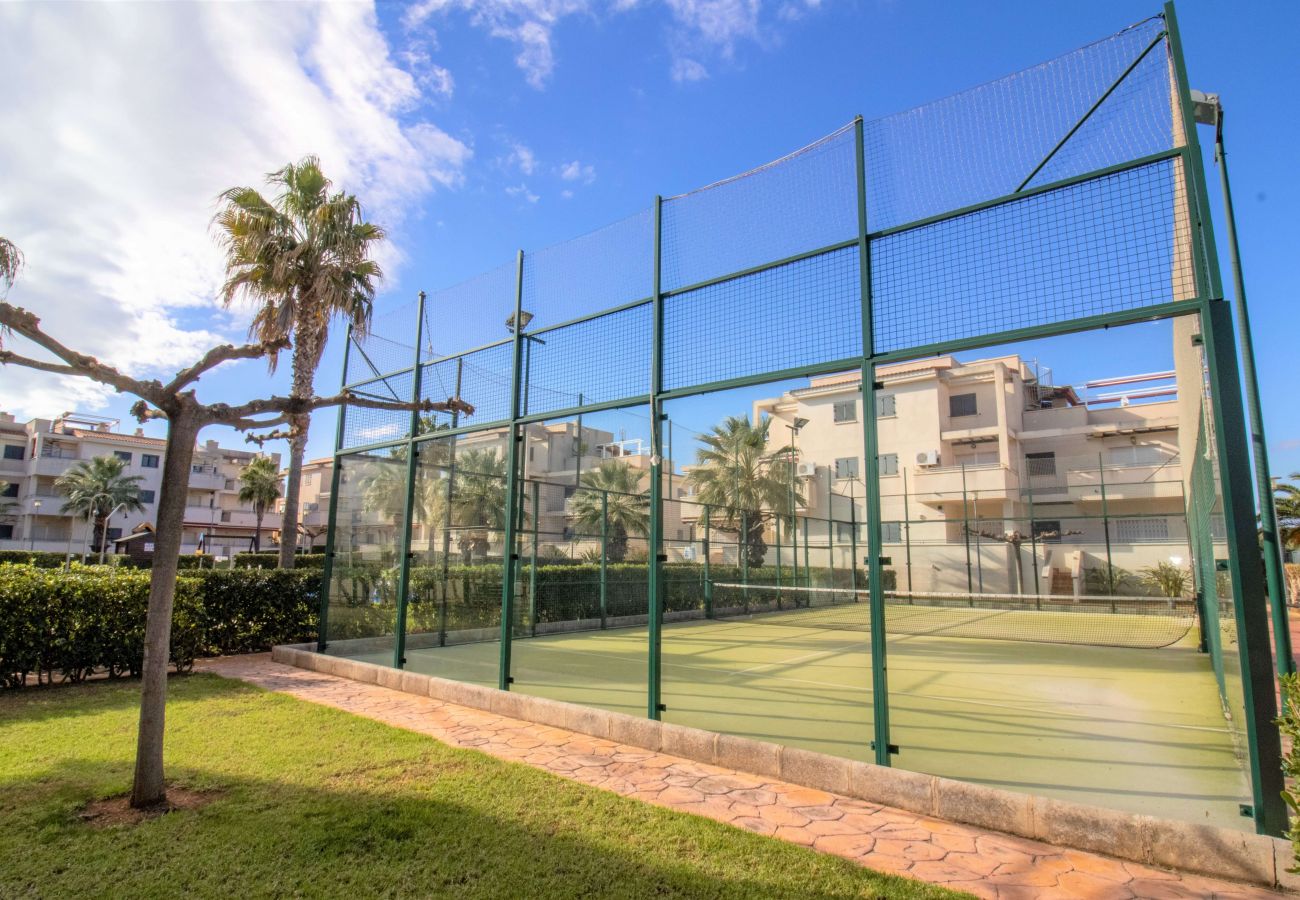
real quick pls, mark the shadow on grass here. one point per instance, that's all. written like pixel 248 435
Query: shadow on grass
pixel 273 838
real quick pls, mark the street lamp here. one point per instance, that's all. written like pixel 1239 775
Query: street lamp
pixel 103 537
pixel 799 423
pixel 524 318
pixel 36 511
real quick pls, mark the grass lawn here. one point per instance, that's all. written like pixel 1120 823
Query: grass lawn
pixel 316 802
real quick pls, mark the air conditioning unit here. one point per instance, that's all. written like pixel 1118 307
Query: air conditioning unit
pixel 927 458
pixel 807 470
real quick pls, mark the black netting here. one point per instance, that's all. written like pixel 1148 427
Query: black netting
pixel 363 426
pixel 593 361
pixel 803 313
pixel 982 143
pixel 805 201
pixel 1100 246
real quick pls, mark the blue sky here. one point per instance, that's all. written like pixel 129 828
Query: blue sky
pixel 526 123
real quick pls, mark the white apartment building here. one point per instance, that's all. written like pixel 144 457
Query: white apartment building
pixel 983 461
pixel 35 453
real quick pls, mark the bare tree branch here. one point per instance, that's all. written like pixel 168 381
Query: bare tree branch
pixel 225 353
pixel 8 357
pixel 29 326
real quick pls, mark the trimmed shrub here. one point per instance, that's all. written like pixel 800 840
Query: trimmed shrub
pixel 71 624
pixel 41 559
pixel 68 625
pixel 265 560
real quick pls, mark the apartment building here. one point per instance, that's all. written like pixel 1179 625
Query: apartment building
pixel 314 502
pixel 992 478
pixel 35 453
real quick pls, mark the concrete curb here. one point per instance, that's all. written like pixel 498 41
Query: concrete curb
pixel 1186 847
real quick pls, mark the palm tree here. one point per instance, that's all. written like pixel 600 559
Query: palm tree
pixel 11 262
pixel 259 484
pixel 96 487
pixel 479 501
pixel 615 501
pixel 305 258
pixel 743 482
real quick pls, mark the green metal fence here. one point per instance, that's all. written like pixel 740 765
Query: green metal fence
pixel 1067 198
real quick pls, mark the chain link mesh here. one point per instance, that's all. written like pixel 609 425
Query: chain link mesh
pixel 593 361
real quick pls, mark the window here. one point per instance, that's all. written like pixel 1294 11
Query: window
pixel 114 534
pixel 885 406
pixel 978 458
pixel 6 531
pixel 1048 531
pixel 146 496
pixel 149 460
pixel 1135 455
pixel 10 490
pixel 1144 530
pixel 13 451
pixel 124 455
pixel 844 532
pixel 530 453
pixel 961 405
pixel 891 532
pixel 846 467
pixel 309 478
pixel 1039 464
pixel 888 463
pixel 846 411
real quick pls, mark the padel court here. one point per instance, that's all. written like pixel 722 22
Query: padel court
pixel 1133 728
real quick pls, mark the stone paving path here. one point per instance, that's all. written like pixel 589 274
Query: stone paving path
pixel 984 863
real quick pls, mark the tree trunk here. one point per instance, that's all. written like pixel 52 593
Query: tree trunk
pixel 257 530
pixel 148 787
pixel 309 344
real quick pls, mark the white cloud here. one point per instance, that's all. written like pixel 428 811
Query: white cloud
pixel 522 158
pixel 566 194
pixel 700 27
pixel 521 191
pixel 112 178
pixel 577 171
pixel 684 70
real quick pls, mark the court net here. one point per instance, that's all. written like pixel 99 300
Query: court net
pixel 1136 622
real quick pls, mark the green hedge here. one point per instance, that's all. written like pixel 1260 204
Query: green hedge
pixel 41 559
pixel 56 624
pixel 265 560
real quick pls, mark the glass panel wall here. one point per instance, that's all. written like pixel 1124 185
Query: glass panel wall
pixel 766 629
pixel 1041 607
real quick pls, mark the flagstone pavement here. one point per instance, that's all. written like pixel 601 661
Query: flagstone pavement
pixel 985 863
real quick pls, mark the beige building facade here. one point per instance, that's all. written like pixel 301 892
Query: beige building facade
pixel 35 453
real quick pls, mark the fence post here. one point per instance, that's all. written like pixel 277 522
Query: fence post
pixel 509 551
pixel 532 570
pixel 654 585
pixel 412 470
pixel 604 557
pixel 875 583
pixel 327 570
pixel 1105 526
pixel 708 580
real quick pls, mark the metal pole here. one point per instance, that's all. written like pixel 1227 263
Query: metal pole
pixel 853 540
pixel 907 534
pixel 742 548
pixel 510 552
pixel 577 465
pixel 446 528
pixel 879 683
pixel 708 580
pixel 654 586
pixel 1272 545
pixel 604 557
pixel 806 578
pixel 1033 532
pixel 532 569
pixel 965 527
pixel 1105 527
pixel 327 570
pixel 408 518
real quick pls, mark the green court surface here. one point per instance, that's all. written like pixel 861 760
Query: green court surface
pixel 1134 729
